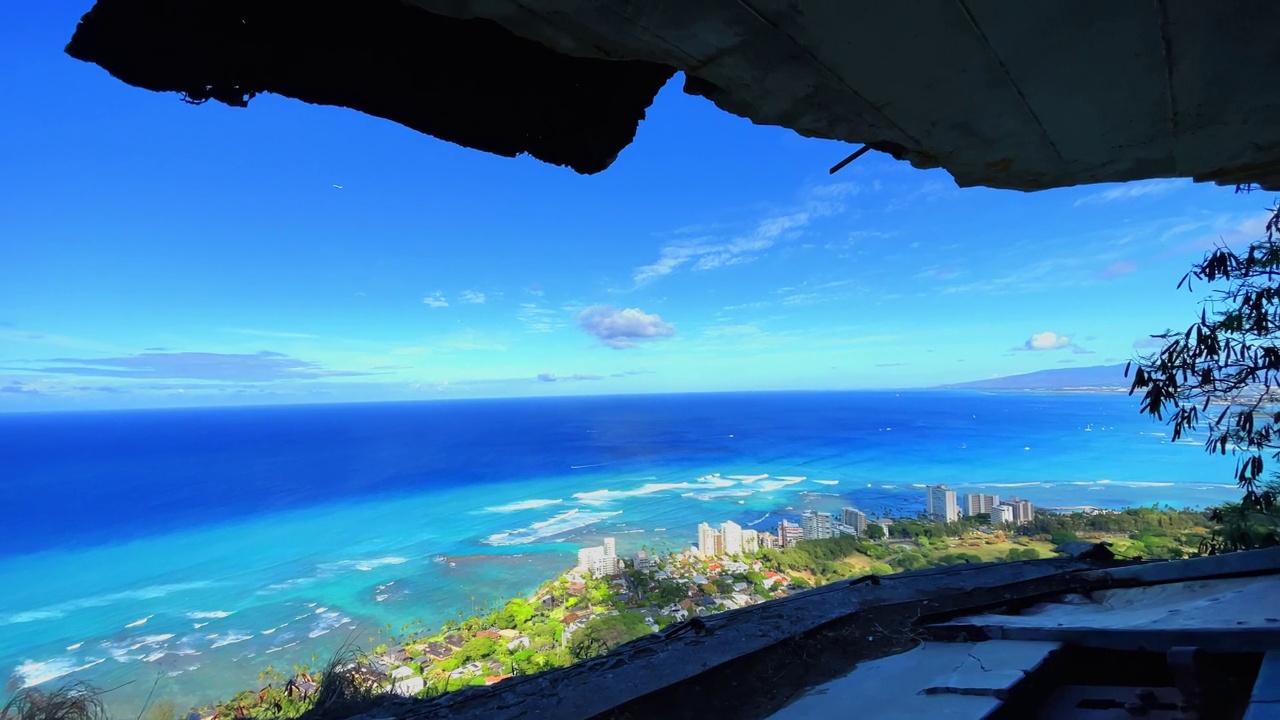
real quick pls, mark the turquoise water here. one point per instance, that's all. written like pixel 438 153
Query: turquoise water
pixel 193 548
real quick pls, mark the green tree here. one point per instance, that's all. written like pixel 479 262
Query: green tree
pixel 875 532
pixel 515 614
pixel 1223 371
pixel 477 649
pixel 602 634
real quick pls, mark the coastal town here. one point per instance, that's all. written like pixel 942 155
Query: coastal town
pixel 609 597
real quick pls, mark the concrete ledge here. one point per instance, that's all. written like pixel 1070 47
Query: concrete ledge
pixel 659 662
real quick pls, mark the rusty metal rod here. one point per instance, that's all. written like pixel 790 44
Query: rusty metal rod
pixel 856 154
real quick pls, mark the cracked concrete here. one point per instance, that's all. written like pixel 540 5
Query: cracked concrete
pixel 942 680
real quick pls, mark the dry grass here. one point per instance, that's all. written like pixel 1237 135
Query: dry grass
pixel 75 701
pixel 346 685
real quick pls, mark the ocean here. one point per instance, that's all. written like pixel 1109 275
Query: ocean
pixel 189 549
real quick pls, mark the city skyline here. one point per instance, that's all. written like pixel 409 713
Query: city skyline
pixel 169 255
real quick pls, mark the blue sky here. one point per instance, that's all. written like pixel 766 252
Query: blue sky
pixel 161 254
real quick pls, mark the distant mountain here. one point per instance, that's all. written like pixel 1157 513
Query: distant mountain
pixel 1097 378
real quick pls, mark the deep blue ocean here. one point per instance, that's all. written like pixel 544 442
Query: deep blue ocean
pixel 197 546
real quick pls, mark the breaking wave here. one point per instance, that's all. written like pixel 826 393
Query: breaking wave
pixel 561 523
pixel 522 505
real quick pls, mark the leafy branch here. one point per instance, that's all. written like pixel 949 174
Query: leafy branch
pixel 1223 371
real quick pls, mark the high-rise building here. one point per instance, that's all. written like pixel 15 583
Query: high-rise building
pixel 750 542
pixel 588 556
pixel 1002 514
pixel 710 541
pixel 855 519
pixel 789 534
pixel 816 525
pixel 940 504
pixel 598 560
pixel 768 540
pixel 1022 510
pixel 611 546
pixel 980 504
pixel 731 535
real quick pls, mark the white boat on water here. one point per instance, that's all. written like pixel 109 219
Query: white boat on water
pixel 441 558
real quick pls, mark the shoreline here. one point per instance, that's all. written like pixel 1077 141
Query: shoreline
pixel 642 598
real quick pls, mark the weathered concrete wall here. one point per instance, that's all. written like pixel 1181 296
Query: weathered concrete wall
pixel 1004 94
pixel 1019 95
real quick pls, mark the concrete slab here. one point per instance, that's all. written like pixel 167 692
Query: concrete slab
pixel 1232 603
pixel 1266 689
pixel 935 680
pixel 1263 711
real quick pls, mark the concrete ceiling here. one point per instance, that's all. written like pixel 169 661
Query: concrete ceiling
pixel 1001 93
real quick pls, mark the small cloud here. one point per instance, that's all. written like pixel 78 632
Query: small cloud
pixel 708 251
pixel 17 388
pixel 891 364
pixel 621 329
pixel 263 366
pixel 435 300
pixel 631 373
pixel 576 377
pixel 471 297
pixel 271 334
pixel 1118 269
pixel 940 273
pixel 536 318
pixel 1076 349
pixel 155 349
pixel 1149 343
pixel 731 331
pixel 1131 190
pixel 1240 234
pixel 1067 361
pixel 1046 341
pixel 807 298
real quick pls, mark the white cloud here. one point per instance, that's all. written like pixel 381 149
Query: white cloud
pixel 621 329
pixel 272 334
pixel 1132 190
pixel 1235 233
pixel 435 300
pixel 710 252
pixel 536 318
pixel 1047 340
pixel 731 331
pixel 471 297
